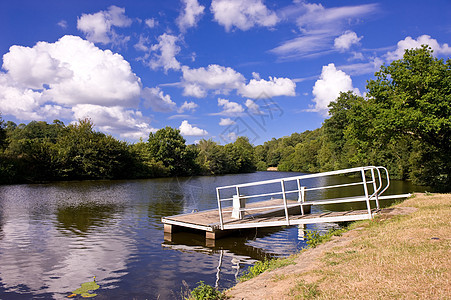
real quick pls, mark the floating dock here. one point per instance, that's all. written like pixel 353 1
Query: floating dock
pixel 251 207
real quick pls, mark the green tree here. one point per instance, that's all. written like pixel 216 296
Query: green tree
pixel 212 158
pixel 168 146
pixel 83 153
pixel 412 98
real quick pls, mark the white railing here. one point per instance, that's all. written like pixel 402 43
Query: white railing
pixel 370 180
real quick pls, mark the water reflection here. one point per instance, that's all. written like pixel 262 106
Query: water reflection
pixel 79 219
pixel 54 237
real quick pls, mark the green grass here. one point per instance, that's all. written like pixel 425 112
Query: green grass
pixel 205 292
pixel 265 265
pixel 303 290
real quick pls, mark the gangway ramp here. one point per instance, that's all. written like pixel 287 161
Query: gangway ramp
pixel 286 201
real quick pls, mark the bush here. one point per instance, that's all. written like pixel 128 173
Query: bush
pixel 205 292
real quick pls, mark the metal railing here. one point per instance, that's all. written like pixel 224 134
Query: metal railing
pixel 370 180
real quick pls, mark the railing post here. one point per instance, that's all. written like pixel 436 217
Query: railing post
pixel 282 182
pixel 220 209
pixel 375 188
pixel 301 195
pixel 365 188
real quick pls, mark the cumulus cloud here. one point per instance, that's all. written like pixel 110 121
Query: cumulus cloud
pixel 191 14
pixel 328 87
pixel 70 79
pixel 230 108
pixel 197 82
pixel 116 120
pixel 167 49
pixel 27 104
pixel 226 122
pixel 98 27
pixel 157 100
pixel 260 88
pixel 410 43
pixel 74 71
pixel 187 106
pixel 190 130
pixel 242 14
pixel 346 40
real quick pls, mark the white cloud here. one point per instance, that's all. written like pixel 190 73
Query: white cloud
pixel 74 71
pixel 116 120
pixel 189 130
pixel 187 106
pixel 253 107
pixel 98 26
pixel 260 88
pixel 230 108
pixel 197 82
pixel 157 100
pixel 190 15
pixel 151 23
pixel 62 24
pixel 303 46
pixel 346 40
pixel 26 104
pixel 226 122
pixel 319 26
pixel 194 89
pixel 141 45
pixel 243 14
pixel 409 43
pixel 328 87
pixel 363 68
pixel 70 79
pixel 168 50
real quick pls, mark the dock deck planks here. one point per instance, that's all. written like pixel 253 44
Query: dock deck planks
pixel 208 220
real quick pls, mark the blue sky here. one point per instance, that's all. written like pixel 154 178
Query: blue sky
pixel 214 69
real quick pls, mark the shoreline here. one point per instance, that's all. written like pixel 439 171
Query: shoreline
pixel 371 253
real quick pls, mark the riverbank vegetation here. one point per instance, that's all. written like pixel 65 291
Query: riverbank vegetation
pixel 403 122
pixel 401 254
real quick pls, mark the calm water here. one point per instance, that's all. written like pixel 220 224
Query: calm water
pixel 54 237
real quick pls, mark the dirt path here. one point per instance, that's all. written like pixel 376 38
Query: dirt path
pixel 277 284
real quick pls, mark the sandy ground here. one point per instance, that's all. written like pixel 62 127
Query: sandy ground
pixel 276 284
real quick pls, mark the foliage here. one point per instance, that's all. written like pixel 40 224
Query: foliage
pixel 205 292
pixel 168 146
pixel 265 265
pixel 314 238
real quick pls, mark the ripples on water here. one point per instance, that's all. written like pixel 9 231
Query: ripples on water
pixel 54 237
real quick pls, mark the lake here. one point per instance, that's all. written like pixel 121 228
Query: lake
pixel 56 236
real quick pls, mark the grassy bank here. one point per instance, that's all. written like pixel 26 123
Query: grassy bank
pixel 394 256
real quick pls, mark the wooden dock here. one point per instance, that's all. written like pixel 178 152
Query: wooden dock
pixel 251 211
pixel 209 222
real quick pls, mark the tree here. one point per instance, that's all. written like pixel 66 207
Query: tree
pixel 211 158
pixel 412 99
pixel 83 153
pixel 168 146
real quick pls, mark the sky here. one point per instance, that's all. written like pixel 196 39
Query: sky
pixel 214 69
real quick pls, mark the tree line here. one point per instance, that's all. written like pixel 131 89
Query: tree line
pixel 39 151
pixel 403 122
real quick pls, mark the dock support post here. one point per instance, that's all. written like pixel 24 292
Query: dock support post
pixel 238 204
pixel 170 228
pixel 216 234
